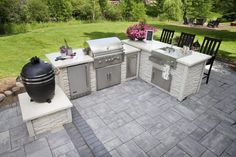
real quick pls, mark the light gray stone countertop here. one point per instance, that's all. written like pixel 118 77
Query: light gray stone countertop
pixel 79 58
pixel 149 46
pixel 129 49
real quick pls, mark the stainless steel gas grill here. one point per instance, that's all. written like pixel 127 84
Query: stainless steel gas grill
pixel 108 55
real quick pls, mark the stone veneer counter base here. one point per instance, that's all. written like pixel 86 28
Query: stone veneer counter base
pixel 41 117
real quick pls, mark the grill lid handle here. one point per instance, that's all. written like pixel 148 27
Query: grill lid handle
pixel 34 60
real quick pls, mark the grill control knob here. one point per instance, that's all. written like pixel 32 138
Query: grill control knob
pixel 109 60
pixel 99 62
pixel 106 60
pixel 118 57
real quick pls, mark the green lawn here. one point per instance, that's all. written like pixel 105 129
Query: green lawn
pixel 16 50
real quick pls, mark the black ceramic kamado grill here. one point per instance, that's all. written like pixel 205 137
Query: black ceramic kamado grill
pixel 39 80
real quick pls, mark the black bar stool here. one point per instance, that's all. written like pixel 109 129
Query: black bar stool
pixel 186 39
pixel 210 46
pixel 167 36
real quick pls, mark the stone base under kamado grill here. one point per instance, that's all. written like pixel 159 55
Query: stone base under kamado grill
pixel 42 117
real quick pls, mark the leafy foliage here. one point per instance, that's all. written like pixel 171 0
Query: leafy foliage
pixel 38 10
pixel 60 10
pixel 173 9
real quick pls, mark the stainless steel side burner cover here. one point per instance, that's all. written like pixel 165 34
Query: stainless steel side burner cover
pixel 103 46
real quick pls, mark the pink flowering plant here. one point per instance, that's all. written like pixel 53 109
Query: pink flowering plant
pixel 138 31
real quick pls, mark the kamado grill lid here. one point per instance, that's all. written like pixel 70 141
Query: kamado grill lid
pixel 36 68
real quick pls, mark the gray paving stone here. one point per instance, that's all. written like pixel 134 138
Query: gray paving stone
pixel 227 129
pixel 10 123
pixel 15 153
pixel 146 141
pixel 171 136
pixel 38 148
pixel 227 105
pixel 198 134
pixel 171 116
pixel 155 111
pixel 186 126
pixel 225 155
pixel 112 144
pixel 160 125
pixel 221 115
pixel 232 149
pixel 147 121
pixel 114 153
pixel 72 153
pixel 176 152
pixel 208 154
pixel 116 124
pixel 129 131
pixel 63 149
pixel 105 134
pixel 135 112
pixel 19 137
pixel 125 117
pixel 5 144
pixel 96 123
pixel 192 147
pixel 8 113
pixel 185 112
pixel 207 121
pixel 58 138
pixel 158 151
pixel 216 142
pixel 130 149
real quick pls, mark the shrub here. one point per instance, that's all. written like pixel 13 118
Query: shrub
pixel 82 9
pixel 113 13
pixel 60 10
pixel 38 10
pixel 138 11
pixel 11 28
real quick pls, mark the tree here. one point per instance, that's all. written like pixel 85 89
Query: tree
pixel 86 9
pixel 173 9
pixel 38 10
pixel 187 6
pixel 138 11
pixel 126 8
pixel 13 11
pixel 60 10
pixel 200 8
pixel 103 5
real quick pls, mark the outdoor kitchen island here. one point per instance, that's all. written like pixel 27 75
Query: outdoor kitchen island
pixel 185 72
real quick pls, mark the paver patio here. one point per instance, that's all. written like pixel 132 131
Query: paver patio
pixel 135 119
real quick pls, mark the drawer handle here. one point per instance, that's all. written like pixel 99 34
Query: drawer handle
pixel 86 73
pixel 110 76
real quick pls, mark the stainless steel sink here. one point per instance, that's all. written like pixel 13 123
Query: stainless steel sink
pixel 167 55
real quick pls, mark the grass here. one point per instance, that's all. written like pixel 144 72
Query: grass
pixel 17 49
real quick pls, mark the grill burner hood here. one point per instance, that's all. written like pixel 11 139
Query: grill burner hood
pixel 104 46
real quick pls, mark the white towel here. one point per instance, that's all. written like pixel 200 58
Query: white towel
pixel 166 72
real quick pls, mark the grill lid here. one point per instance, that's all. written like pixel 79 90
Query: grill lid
pixel 36 68
pixel 98 46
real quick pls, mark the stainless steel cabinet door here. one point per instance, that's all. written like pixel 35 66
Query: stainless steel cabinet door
pixel 79 80
pixel 131 65
pixel 159 81
pixel 108 76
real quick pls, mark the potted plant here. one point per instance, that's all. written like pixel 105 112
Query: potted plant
pixel 138 31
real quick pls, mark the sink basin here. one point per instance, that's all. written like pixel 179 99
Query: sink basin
pixel 174 52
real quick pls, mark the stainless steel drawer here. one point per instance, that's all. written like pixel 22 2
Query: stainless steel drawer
pixel 159 81
pixel 108 76
pixel 79 80
pixel 131 65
